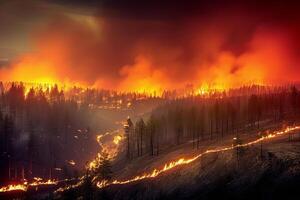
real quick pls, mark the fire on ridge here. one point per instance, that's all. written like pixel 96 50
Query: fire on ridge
pixel 185 161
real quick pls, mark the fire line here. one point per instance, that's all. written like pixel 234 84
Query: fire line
pixel 155 172
pixel 183 161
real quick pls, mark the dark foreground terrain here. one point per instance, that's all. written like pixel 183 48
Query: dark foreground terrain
pixel 268 170
pixel 272 172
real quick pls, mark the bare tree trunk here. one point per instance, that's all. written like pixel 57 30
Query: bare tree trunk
pixel 194 139
pixel 157 146
pixel 211 129
pixel 137 145
pixel 222 126
pixel 128 147
pixel 23 174
pixel 227 125
pixel 151 144
pixel 141 142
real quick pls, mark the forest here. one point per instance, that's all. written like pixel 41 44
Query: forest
pixel 198 118
pixel 37 133
pixel 47 132
pixel 50 132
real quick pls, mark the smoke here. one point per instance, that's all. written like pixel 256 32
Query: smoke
pixel 123 48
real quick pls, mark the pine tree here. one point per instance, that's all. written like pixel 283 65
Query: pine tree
pixel 87 188
pixel 104 168
pixel 129 129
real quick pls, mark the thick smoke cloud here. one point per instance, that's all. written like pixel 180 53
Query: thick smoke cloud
pixel 146 46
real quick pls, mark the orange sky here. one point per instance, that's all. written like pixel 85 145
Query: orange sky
pixel 223 49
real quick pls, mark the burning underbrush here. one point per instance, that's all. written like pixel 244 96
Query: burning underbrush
pixel 223 175
pixel 222 163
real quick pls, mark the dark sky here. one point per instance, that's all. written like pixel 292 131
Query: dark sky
pixel 20 17
pixel 106 40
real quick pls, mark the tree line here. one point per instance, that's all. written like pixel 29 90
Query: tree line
pixel 198 118
pixel 41 132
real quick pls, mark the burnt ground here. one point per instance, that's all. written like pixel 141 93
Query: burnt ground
pixel 272 174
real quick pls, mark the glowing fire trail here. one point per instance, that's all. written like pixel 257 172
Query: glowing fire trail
pixel 17 187
pixel 24 186
pixel 183 161
pixel 155 172
pixel 111 150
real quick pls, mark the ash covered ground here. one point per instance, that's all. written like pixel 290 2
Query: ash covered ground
pixel 270 172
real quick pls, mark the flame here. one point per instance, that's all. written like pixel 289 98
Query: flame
pixel 67 50
pixel 37 181
pixel 40 182
pixel 36 72
pixel 184 161
pixel 206 89
pixel 33 70
pixel 154 173
pixel 117 139
pixel 16 187
pixel 110 147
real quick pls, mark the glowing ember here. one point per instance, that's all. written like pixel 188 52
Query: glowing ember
pixel 117 139
pixel 16 187
pixel 40 182
pixel 71 162
pixel 37 181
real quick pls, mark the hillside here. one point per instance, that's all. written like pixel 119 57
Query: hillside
pixel 254 175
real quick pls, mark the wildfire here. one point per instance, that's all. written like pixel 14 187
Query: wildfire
pixel 94 163
pixel 20 187
pixel 25 185
pixel 110 147
pixel 117 139
pixel 206 89
pixel 39 181
pixel 184 161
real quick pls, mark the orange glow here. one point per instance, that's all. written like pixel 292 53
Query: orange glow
pixel 182 161
pixel 117 139
pixel 25 185
pixel 39 181
pixel 259 66
pixel 78 50
pixel 141 77
pixel 36 73
pixel 110 147
pixel 31 70
pixel 16 187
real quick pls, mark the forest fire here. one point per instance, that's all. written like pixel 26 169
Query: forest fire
pixel 25 185
pixel 206 89
pixel 40 181
pixel 184 161
pixel 103 93
pixel 110 147
pixel 219 70
pixel 117 139
pixel 14 187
